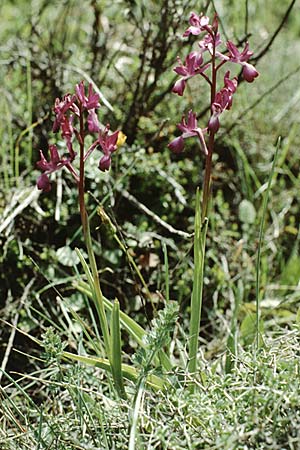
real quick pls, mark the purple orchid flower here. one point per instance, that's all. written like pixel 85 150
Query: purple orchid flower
pixel 198 24
pixel 67 131
pixel 222 101
pixel 61 107
pixel 89 102
pixel 108 144
pixel 188 128
pixel 188 70
pixel 249 71
pixel 93 122
pixel 209 42
pixel 55 163
pixel 81 108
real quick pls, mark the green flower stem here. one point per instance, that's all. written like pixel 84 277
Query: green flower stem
pixel 201 222
pixel 207 177
pixel 97 294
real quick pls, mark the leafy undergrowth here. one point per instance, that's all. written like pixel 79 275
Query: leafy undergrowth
pixel 256 406
pixel 247 400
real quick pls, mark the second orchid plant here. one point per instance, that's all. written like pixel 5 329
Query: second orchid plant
pixel 206 62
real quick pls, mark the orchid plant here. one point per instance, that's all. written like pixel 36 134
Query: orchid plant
pixel 221 99
pixel 76 117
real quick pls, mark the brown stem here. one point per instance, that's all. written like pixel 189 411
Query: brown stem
pixel 208 163
pixel 207 177
pixel 83 213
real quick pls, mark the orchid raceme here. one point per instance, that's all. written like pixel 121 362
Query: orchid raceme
pixel 75 117
pixel 195 65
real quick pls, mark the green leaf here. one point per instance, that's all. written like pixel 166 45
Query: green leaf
pixel 248 329
pixel 291 272
pixel 66 256
pixel 129 372
pixel 247 212
pixel 196 301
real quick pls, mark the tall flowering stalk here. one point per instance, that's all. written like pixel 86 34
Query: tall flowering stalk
pixel 221 98
pixel 76 117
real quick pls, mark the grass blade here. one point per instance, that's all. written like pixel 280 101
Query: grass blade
pixel 116 357
pixel 260 239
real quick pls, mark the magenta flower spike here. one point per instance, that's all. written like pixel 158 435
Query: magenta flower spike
pixel 220 98
pixel 194 65
pixel 75 117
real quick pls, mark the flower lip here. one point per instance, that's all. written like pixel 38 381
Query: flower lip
pixel 249 72
pixel 43 183
pixel 104 163
pixel 177 145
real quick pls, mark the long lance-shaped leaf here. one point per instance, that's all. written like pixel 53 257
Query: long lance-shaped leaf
pixel 133 328
pixel 196 301
pixel 96 293
pixel 116 350
pixel 130 373
pixel 260 240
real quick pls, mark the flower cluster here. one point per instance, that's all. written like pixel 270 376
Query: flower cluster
pixel 75 117
pixel 194 65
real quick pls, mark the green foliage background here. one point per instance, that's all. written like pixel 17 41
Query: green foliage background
pixel 129 48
